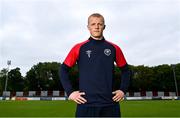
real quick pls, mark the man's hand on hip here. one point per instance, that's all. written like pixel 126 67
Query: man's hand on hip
pixel 76 96
pixel 119 95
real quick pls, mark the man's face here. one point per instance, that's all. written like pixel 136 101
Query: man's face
pixel 96 26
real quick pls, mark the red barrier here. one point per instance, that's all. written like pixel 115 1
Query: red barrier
pixel 20 98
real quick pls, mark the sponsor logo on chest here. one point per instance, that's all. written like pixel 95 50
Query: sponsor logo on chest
pixel 88 52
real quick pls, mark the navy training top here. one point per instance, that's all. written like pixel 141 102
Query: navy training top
pixel 95 59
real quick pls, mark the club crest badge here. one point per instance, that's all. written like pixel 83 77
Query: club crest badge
pixel 107 52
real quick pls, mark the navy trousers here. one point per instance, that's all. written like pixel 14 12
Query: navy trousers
pixel 98 111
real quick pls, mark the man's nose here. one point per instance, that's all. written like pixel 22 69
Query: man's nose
pixel 97 26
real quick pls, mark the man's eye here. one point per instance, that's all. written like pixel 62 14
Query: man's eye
pixel 100 24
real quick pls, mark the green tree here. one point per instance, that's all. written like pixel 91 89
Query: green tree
pixel 163 80
pixel 177 74
pixel 43 76
pixel 142 78
pixel 3 73
pixel 15 80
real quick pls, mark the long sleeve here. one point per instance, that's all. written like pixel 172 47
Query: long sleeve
pixel 122 64
pixel 64 77
pixel 125 78
pixel 69 62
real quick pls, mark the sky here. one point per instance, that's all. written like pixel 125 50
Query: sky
pixel 33 31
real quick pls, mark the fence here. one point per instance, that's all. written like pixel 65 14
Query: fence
pixel 61 95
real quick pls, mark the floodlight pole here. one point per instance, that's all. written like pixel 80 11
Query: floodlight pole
pixel 5 88
pixel 175 81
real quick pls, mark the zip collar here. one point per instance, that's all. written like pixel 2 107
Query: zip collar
pixel 95 40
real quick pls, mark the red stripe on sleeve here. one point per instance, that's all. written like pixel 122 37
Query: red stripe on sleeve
pixel 73 55
pixel 120 59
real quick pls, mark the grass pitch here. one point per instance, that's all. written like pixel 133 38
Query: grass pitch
pixel 150 108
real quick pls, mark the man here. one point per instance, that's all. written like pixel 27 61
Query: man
pixel 95 58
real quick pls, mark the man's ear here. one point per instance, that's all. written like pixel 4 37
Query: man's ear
pixel 88 26
pixel 104 26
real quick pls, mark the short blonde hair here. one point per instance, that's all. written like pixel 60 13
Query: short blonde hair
pixel 98 15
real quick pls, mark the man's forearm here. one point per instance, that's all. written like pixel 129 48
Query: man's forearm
pixel 64 77
pixel 125 78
